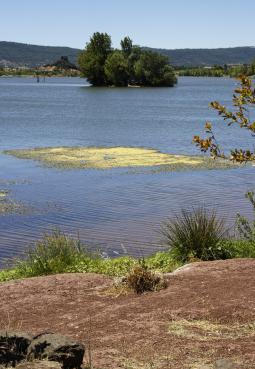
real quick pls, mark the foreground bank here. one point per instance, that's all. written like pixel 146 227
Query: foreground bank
pixel 203 319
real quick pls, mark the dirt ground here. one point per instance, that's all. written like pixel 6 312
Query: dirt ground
pixel 206 313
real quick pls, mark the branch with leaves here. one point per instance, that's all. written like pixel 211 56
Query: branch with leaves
pixel 243 99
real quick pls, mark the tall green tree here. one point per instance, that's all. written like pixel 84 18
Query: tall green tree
pixel 153 69
pixel 133 57
pixel 126 45
pixel 93 58
pixel 116 69
pixel 103 66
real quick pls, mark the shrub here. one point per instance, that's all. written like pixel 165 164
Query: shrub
pixel 238 248
pixel 140 279
pixel 96 264
pixel 53 254
pixel 163 262
pixel 245 228
pixel 197 234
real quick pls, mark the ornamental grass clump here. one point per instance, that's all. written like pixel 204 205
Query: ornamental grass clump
pixel 196 234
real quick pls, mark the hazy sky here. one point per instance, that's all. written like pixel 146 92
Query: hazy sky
pixel 156 23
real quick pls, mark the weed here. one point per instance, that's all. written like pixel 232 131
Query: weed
pixel 140 279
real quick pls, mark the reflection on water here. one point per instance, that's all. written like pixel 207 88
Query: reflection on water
pixel 112 209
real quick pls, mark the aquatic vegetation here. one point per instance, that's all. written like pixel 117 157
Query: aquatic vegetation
pixel 8 206
pixel 112 157
pixel 3 194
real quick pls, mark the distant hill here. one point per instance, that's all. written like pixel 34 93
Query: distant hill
pixel 202 57
pixel 18 54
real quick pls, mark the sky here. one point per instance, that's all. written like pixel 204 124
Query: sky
pixel 171 24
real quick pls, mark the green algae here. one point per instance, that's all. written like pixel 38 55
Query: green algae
pixel 115 157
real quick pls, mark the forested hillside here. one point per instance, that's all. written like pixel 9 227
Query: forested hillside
pixel 18 54
pixel 200 57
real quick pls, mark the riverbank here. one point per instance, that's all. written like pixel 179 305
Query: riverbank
pixel 204 316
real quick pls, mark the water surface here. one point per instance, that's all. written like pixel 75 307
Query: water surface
pixel 115 210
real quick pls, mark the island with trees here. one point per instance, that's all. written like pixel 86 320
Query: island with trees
pixel 103 65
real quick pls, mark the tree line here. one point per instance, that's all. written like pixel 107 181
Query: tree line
pixel 218 70
pixel 103 65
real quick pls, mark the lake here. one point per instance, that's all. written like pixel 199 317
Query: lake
pixel 119 210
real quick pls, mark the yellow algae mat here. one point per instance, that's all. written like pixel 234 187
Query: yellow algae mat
pixel 3 194
pixel 110 157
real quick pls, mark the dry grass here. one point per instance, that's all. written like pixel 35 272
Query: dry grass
pixel 10 322
pixel 117 290
pixel 110 157
pixel 204 330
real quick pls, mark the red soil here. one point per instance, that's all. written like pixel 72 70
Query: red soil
pixel 131 331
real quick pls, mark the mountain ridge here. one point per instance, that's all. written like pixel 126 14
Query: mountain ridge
pixel 22 54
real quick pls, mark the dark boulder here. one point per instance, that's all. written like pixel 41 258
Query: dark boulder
pixel 54 347
pixel 13 347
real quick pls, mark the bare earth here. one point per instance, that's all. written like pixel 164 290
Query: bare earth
pixel 206 313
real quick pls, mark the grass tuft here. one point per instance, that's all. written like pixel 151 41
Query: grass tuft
pixel 196 234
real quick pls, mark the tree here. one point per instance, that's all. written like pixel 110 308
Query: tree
pixel 243 99
pixel 116 69
pixel 133 57
pixel 252 68
pixel 103 66
pixel 153 69
pixel 93 58
pixel 126 45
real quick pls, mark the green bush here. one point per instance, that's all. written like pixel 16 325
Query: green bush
pixel 163 262
pixel 238 248
pixel 195 234
pixel 96 264
pixel 246 228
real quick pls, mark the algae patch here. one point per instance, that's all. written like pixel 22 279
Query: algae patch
pixel 3 194
pixel 8 206
pixel 109 157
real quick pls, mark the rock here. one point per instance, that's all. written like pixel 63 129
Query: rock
pixel 54 347
pixel 43 364
pixel 13 346
pixel 225 364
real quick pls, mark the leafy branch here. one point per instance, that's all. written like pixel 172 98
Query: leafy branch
pixel 243 99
